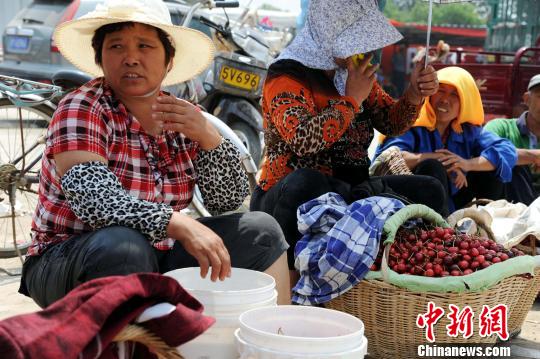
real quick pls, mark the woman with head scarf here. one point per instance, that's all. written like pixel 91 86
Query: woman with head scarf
pixel 320 105
pixel 122 159
pixel 448 142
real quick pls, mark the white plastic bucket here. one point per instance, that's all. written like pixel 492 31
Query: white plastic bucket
pixel 224 300
pixel 251 351
pixel 300 332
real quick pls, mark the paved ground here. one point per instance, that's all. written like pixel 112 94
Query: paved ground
pixel 525 346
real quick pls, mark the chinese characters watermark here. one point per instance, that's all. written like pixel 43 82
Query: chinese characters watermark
pixel 492 320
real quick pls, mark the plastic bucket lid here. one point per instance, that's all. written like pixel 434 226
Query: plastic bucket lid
pixel 248 350
pixel 299 329
pixel 243 287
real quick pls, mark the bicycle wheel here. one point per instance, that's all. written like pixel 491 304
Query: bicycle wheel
pixel 19 172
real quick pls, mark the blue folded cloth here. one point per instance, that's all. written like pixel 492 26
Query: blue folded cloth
pixel 339 244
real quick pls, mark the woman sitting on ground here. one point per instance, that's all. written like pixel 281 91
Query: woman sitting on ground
pixel 123 157
pixel 448 142
pixel 320 109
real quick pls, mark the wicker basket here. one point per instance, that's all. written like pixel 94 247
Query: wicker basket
pixel 390 162
pixel 135 333
pixel 389 312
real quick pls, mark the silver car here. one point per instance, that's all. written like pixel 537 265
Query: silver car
pixel 29 49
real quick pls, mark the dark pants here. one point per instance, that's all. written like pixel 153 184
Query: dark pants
pixel 254 241
pixel 479 184
pixel 283 199
pixel 521 188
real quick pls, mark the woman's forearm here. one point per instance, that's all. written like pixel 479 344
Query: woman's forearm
pixel 527 157
pixel 479 164
pixel 413 159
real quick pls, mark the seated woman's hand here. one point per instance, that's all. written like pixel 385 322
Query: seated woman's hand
pixel 360 78
pixel 458 178
pixel 423 83
pixel 453 162
pixel 181 116
pixel 203 244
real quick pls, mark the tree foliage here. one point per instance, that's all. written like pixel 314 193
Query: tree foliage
pixel 443 14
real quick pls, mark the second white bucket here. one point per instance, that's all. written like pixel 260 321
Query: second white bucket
pixel 224 300
pixel 297 332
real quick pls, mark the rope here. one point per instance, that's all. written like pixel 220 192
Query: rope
pixel 134 333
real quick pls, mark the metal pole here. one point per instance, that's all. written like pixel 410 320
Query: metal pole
pixel 430 13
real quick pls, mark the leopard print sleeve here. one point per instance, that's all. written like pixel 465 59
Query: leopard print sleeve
pixel 97 198
pixel 222 181
pixel 390 117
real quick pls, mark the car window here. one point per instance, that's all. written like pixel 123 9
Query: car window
pixel 52 2
pixel 41 14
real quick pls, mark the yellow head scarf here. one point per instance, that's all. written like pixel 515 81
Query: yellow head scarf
pixel 470 111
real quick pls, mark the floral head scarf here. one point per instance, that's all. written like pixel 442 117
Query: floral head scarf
pixel 340 29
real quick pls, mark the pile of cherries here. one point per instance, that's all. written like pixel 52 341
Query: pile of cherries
pixel 441 252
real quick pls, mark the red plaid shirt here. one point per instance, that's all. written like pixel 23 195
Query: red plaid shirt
pixel 158 169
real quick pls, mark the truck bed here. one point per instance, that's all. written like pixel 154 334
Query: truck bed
pixel 502 77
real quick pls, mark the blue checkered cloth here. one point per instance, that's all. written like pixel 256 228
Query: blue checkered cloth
pixel 339 244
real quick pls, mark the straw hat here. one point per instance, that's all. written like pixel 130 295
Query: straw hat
pixel 194 50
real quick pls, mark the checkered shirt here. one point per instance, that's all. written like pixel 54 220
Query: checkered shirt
pixel 158 169
pixel 339 244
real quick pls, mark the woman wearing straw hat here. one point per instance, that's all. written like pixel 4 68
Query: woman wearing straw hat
pixel 448 143
pixel 320 109
pixel 123 157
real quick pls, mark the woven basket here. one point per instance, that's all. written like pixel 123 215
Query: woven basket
pixel 389 312
pixel 135 333
pixel 390 162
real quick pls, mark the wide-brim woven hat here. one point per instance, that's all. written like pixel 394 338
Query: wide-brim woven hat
pixel 194 50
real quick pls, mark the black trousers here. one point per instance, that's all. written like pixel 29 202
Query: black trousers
pixel 254 241
pixel 479 184
pixel 521 188
pixel 283 199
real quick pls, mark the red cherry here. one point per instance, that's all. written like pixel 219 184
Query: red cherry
pixel 429 273
pixel 463 264
pixel 440 232
pixel 474 252
pixel 481 259
pixel 504 256
pixel 485 264
pixel 445 274
pixel 467 271
pixel 475 265
pixel 464 245
pixel 496 260
pixel 455 273
pixel 453 250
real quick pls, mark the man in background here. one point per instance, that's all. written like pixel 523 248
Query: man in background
pixel 523 132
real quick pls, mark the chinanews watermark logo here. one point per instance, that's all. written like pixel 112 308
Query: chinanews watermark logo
pixel 462 323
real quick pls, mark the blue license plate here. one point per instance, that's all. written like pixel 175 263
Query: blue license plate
pixel 18 43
